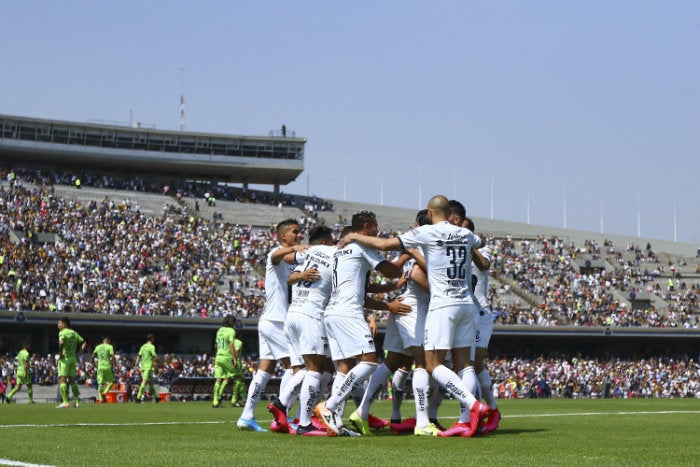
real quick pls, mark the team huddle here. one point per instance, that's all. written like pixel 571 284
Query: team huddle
pixel 439 326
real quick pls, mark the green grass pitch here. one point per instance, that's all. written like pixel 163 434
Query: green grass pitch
pixel 540 432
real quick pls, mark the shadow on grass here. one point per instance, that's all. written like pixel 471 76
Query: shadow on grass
pixel 499 432
pixel 515 431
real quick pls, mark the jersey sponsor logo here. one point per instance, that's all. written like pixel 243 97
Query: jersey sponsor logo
pixel 456 293
pixel 458 393
pixel 345 252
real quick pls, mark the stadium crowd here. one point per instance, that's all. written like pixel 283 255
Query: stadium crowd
pixel 109 257
pixel 547 271
pixel 514 377
pixel 134 183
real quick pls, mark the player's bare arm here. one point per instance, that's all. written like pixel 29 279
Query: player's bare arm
pixel 479 260
pixel 389 270
pixel 371 322
pixel 418 276
pixel 418 257
pixel 383 244
pixel 287 254
pixel 309 275
pixel 388 287
pixel 396 307
pixel 234 354
pixel 405 256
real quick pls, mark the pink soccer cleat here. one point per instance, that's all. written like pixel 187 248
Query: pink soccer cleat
pixel 457 429
pixel 407 425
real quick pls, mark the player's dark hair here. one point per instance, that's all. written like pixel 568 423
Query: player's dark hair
pixel 469 223
pixel 457 208
pixel 150 337
pixel 361 218
pixel 318 233
pixel 282 226
pixel 229 321
pixel 346 230
pixel 65 321
pixel 422 218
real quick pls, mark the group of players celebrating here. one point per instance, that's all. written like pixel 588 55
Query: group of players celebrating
pixel 440 326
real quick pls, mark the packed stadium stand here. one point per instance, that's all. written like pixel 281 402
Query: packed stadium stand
pixel 126 254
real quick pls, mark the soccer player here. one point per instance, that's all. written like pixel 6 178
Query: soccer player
pixel 104 353
pixel 273 342
pixel 458 217
pixel 226 358
pixel 24 374
pixel 450 323
pixel 349 336
pixel 238 392
pixel 403 343
pixel 147 358
pixel 484 330
pixel 68 341
pixel 311 288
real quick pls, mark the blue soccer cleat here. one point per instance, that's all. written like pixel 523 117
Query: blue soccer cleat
pixel 249 424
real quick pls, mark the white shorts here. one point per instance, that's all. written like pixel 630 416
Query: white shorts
pixel 484 328
pixel 307 335
pixel 348 336
pixel 451 327
pixel 404 331
pixel 273 340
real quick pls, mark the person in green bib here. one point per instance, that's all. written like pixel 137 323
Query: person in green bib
pixel 68 342
pixel 238 393
pixel 147 358
pixel 226 357
pixel 24 375
pixel 104 354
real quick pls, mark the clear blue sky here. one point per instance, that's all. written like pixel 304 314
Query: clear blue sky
pixel 570 105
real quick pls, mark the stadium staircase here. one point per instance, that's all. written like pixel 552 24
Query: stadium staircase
pixel 517 293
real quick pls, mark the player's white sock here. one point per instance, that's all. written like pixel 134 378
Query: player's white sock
pixel 398 386
pixel 485 383
pixel 469 379
pixel 357 393
pixel 421 386
pixel 326 378
pixel 286 377
pixel 357 375
pixel 434 400
pixel 310 388
pixel 288 396
pixel 450 381
pixel 375 382
pixel 257 387
pixel 335 387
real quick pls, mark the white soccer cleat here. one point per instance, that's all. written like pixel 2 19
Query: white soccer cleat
pixel 327 417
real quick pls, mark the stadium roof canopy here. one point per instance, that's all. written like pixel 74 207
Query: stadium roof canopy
pixel 274 160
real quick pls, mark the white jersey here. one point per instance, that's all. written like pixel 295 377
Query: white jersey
pixel 412 294
pixel 311 298
pixel 276 288
pixel 351 267
pixel 480 280
pixel 448 260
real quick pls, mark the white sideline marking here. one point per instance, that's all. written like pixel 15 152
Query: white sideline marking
pixel 50 425
pixel 22 464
